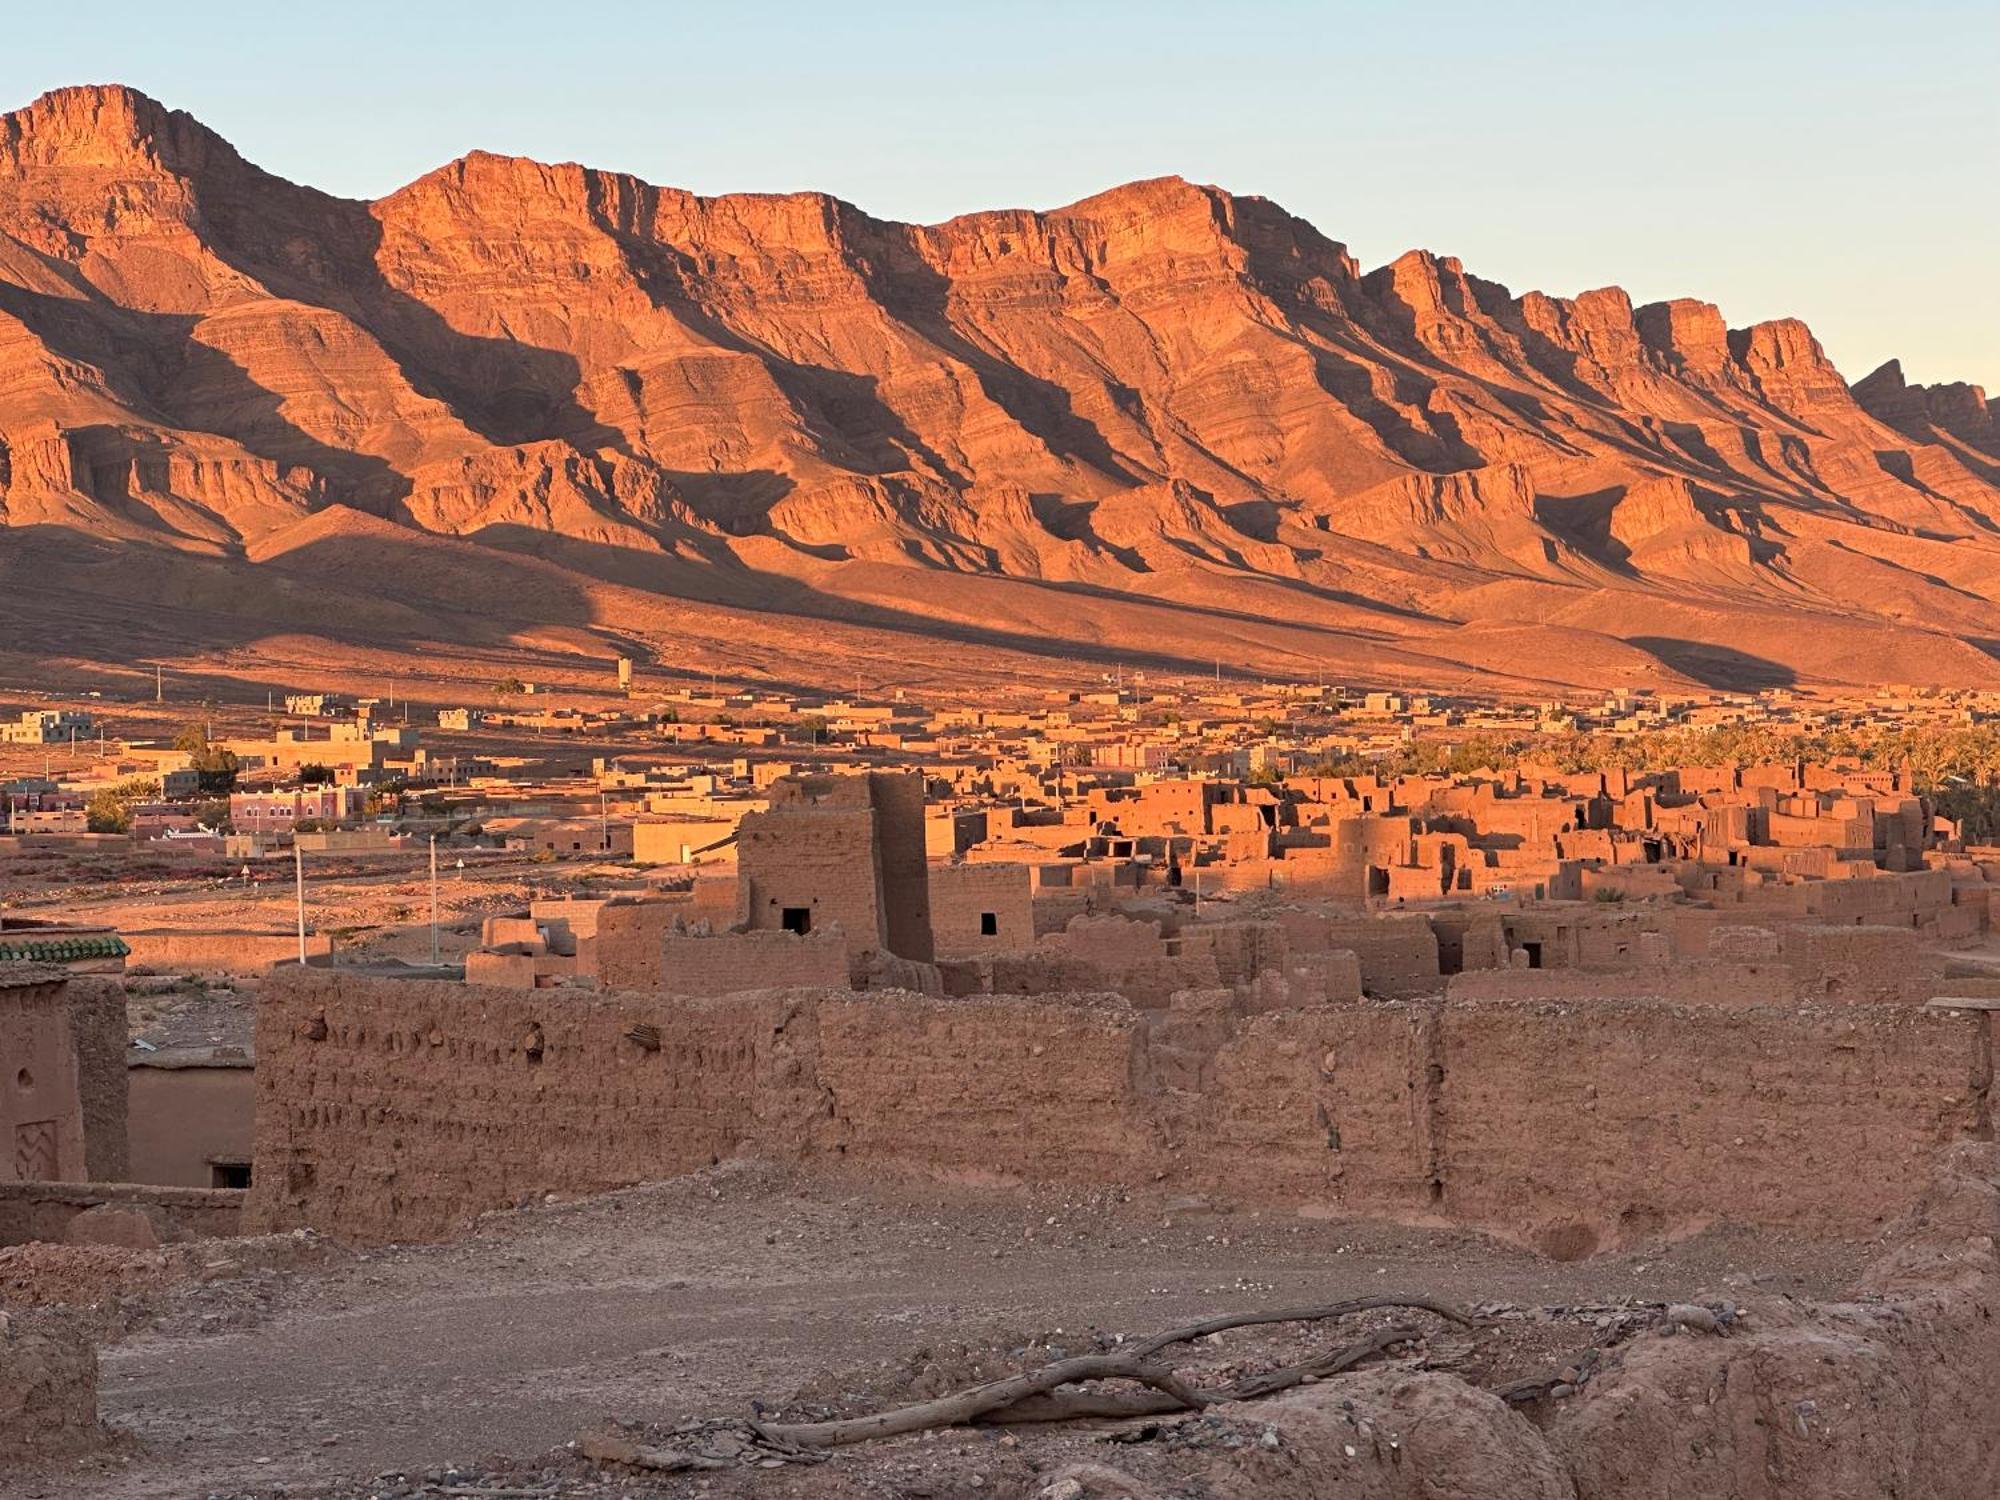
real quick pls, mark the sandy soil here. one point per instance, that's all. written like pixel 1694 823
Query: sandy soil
pixel 695 1297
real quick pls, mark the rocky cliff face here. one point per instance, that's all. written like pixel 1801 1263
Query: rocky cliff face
pixel 1163 393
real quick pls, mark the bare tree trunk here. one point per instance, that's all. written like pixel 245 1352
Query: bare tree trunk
pixel 1033 1396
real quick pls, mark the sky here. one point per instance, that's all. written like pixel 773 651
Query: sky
pixel 1831 161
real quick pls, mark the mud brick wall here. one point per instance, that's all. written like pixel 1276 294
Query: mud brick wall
pixel 730 962
pixel 1398 958
pixel 182 952
pixel 62 1096
pixel 1324 1111
pixel 1861 965
pixel 98 1028
pixel 1611 1119
pixel 1692 982
pixel 903 862
pixel 628 942
pixel 1316 978
pixel 1888 900
pixel 988 1089
pixel 1240 950
pixel 400 1109
pixel 45 1210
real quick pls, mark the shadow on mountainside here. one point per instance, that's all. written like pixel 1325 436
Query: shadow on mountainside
pixel 71 594
pixel 1723 668
pixel 743 587
pixel 506 389
pixel 730 581
pixel 197 388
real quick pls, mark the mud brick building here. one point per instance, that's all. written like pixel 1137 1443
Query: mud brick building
pixel 981 908
pixel 840 849
pixel 62 1088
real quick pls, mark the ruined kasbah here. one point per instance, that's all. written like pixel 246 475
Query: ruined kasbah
pixel 738 1090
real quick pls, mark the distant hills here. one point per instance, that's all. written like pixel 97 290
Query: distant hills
pixel 1166 424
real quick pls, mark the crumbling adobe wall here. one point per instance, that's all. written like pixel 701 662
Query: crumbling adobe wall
pixel 47 1210
pixel 1399 955
pixel 1695 982
pixel 98 1029
pixel 399 1109
pixel 728 963
pixel 1861 965
pixel 903 862
pixel 1602 1122
pixel 993 1089
pixel 1469 939
pixel 62 1097
pixel 1109 939
pixel 1588 1125
pixel 628 941
pixel 1327 1111
pixel 1320 978
pixel 1241 950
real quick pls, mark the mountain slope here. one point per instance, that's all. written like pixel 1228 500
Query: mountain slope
pixel 1164 407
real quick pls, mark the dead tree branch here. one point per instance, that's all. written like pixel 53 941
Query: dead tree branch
pixel 1034 1394
pixel 1066 1406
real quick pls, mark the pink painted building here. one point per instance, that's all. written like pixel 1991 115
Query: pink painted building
pixel 281 811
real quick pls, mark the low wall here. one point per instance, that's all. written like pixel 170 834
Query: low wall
pixel 401 1109
pixel 47 1210
pixel 1696 982
pixel 180 951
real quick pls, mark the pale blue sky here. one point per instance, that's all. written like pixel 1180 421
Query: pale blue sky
pixel 1833 161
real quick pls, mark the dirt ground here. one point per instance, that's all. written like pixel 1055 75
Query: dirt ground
pixel 417 1370
pixel 376 907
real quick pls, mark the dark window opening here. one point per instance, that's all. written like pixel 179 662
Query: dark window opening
pixel 229 1174
pixel 1534 952
pixel 989 924
pixel 798 919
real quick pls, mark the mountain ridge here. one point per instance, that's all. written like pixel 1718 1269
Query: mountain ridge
pixel 1164 394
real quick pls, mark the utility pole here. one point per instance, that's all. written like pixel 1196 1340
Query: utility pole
pixel 299 883
pixel 159 683
pixel 434 901
pixel 604 820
